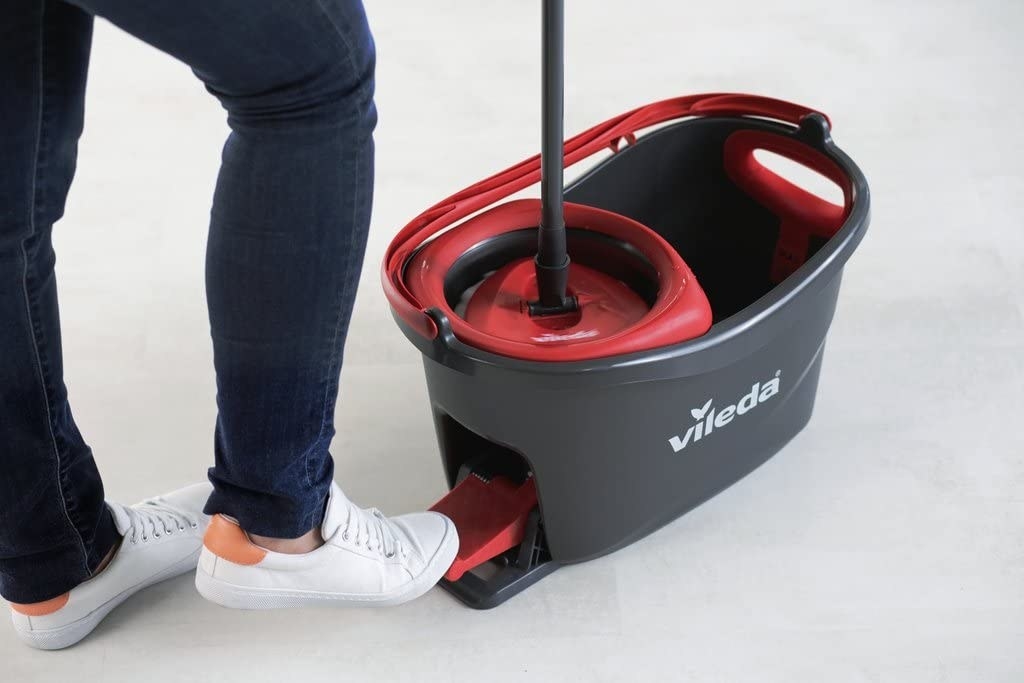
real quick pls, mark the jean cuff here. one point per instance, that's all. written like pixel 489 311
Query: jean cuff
pixel 263 514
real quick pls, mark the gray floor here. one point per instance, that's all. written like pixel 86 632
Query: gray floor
pixel 886 543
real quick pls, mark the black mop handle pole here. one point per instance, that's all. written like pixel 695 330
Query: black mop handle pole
pixel 552 259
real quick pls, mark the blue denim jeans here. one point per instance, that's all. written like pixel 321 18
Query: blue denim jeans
pixel 287 235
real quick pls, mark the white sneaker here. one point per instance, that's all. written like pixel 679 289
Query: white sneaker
pixel 366 560
pixel 161 538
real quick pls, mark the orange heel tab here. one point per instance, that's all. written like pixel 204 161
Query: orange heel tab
pixel 225 539
pixel 41 609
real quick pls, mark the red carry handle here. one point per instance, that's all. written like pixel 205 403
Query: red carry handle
pixel 778 194
pixel 802 215
pixel 505 183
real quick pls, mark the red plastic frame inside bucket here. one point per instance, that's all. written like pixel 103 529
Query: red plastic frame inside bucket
pixel 604 306
pixel 613 319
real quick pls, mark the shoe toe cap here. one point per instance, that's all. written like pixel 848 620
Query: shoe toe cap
pixel 429 533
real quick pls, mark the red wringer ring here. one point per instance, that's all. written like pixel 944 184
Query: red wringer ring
pixel 611 318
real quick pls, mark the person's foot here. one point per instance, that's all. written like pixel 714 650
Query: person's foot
pixel 161 538
pixel 367 559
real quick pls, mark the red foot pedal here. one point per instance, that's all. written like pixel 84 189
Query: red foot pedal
pixel 491 518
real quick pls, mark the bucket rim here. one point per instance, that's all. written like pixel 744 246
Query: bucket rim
pixel 731 337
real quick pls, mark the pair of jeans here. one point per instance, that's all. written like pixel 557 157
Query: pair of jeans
pixel 287 235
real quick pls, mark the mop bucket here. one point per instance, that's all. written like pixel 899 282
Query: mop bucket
pixel 562 444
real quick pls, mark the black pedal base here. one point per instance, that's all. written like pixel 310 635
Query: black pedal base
pixel 514 571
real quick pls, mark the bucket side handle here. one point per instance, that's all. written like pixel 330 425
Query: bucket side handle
pixel 806 220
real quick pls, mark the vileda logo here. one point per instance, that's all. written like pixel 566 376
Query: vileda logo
pixel 709 418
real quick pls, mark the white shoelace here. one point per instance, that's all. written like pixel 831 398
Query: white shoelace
pixel 153 519
pixel 371 528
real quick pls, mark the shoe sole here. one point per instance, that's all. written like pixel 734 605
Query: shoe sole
pixel 255 598
pixel 69 634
